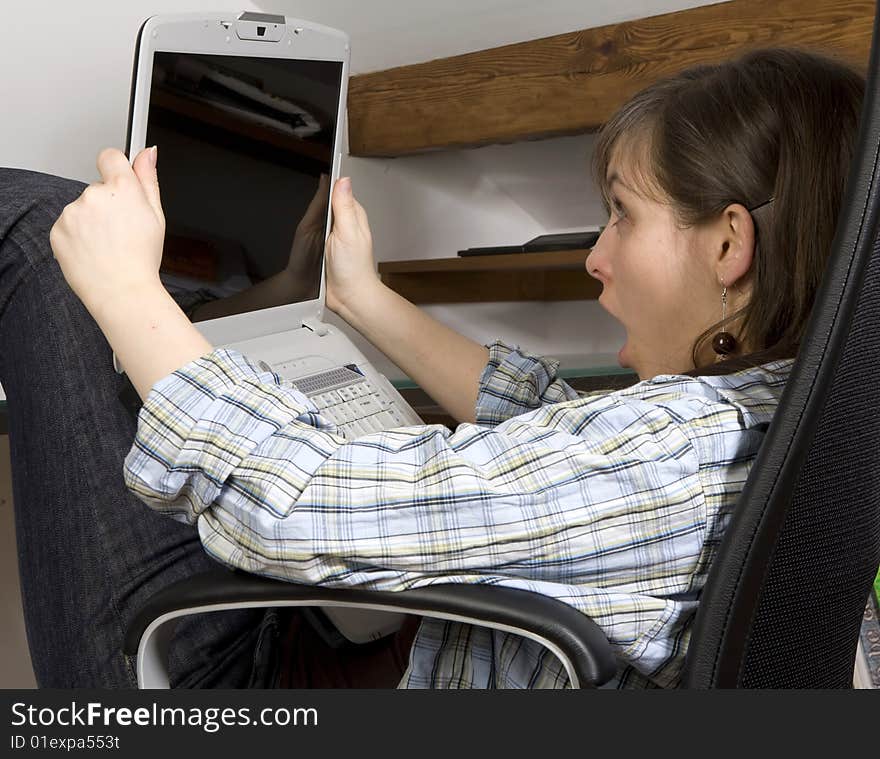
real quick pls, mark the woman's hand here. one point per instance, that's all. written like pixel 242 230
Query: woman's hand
pixel 109 241
pixel 349 252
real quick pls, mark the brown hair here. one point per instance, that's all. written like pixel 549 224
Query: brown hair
pixel 776 125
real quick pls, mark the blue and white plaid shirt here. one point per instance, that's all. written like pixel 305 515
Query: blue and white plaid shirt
pixel 612 502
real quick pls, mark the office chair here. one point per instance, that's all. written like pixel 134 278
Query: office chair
pixel 783 602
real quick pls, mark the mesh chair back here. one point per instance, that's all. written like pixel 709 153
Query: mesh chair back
pixel 785 596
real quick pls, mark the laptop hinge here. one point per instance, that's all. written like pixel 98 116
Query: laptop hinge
pixel 318 327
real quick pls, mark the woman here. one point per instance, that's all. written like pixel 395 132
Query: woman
pixel 723 185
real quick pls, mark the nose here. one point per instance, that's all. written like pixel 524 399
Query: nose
pixel 595 259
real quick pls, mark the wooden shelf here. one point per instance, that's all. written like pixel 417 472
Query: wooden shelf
pixel 571 83
pixel 556 275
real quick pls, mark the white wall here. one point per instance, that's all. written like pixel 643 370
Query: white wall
pixel 387 33
pixel 66 69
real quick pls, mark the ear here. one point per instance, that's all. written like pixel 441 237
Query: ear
pixel 734 248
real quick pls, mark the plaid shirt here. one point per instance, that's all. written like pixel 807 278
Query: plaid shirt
pixel 613 502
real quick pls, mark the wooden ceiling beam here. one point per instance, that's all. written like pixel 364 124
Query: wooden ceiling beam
pixel 571 83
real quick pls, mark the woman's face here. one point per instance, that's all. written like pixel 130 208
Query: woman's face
pixel 659 280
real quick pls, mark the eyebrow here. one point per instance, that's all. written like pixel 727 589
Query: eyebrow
pixel 615 177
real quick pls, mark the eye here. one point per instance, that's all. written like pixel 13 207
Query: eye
pixel 618 210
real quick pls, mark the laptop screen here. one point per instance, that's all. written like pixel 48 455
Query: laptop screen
pixel 245 158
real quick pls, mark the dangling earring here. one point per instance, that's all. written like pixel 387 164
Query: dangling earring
pixel 723 343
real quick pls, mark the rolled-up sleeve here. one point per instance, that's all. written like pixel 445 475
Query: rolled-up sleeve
pixel 514 383
pixel 578 492
pixel 201 423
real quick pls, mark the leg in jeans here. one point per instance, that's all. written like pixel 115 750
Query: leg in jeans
pixel 90 553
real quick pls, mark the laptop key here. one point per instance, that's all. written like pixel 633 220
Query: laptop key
pixel 344 412
pixel 373 423
pixel 367 405
pixel 387 420
pixel 359 389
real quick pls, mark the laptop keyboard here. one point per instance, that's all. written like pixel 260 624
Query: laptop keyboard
pixel 350 400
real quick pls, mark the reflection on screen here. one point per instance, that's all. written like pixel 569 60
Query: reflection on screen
pixel 245 154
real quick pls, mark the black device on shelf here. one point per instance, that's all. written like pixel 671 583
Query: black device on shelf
pixel 541 244
pixel 498 250
pixel 565 241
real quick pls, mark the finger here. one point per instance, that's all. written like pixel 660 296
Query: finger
pixel 145 169
pixel 113 165
pixel 344 212
pixel 363 222
pixel 88 194
pixel 55 237
pixel 61 227
pixel 317 208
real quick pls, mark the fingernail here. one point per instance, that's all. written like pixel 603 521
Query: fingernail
pixel 345 185
pixel 154 155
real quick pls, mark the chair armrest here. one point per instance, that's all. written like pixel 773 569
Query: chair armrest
pixel 572 636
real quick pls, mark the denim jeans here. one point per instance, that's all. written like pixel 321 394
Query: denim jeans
pixel 90 553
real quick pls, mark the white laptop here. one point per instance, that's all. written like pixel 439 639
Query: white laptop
pixel 247 111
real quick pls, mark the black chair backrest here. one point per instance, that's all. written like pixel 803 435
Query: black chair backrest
pixel 784 599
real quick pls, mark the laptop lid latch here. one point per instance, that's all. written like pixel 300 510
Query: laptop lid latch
pixel 319 328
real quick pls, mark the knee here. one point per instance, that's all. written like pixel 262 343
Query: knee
pixel 30 204
pixel 22 190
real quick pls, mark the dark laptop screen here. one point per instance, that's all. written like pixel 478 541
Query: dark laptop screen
pixel 245 154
